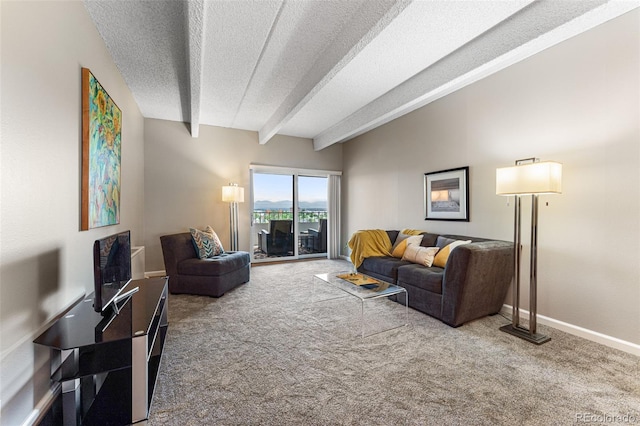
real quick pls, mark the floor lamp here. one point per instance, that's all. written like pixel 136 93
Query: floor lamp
pixel 233 194
pixel 527 177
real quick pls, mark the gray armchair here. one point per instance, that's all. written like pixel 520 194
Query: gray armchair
pixel 319 237
pixel 210 277
pixel 278 240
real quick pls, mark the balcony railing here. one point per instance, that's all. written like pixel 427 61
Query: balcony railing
pixel 304 216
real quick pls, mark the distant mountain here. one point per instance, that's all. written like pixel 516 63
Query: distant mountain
pixel 313 205
pixel 286 205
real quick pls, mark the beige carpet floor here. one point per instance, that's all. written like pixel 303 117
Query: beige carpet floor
pixel 265 354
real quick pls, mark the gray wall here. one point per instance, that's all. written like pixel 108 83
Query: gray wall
pixel 45 260
pixel 576 103
pixel 184 177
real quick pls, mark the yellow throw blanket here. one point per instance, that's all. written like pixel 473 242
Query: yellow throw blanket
pixel 368 243
pixel 412 231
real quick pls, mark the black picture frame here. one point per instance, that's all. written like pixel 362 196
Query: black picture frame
pixel 446 195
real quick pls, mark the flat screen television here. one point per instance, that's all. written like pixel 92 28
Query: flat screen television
pixel 111 269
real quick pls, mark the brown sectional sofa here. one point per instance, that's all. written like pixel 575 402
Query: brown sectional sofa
pixel 473 284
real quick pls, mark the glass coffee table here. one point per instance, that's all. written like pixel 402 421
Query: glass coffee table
pixel 365 289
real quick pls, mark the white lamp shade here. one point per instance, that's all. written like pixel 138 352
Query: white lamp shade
pixel 233 194
pixel 534 178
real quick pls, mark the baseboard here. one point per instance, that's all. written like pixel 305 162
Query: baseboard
pixel 43 412
pixel 594 336
pixel 152 274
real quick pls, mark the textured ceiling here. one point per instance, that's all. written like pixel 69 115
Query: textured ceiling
pixel 327 70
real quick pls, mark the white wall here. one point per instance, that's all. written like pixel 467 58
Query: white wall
pixel 184 177
pixel 45 260
pixel 576 103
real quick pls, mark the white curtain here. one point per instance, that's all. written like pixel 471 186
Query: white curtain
pixel 333 225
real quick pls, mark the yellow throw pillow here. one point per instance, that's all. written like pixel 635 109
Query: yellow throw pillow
pixel 443 255
pixel 399 249
pixel 420 255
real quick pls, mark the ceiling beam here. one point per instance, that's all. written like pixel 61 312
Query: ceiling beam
pixel 355 36
pixel 514 39
pixel 195 22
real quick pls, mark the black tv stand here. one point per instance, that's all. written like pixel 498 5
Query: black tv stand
pixel 107 366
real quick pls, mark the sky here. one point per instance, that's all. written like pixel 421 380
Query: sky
pixel 280 187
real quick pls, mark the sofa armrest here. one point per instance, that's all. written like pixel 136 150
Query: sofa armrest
pixel 476 281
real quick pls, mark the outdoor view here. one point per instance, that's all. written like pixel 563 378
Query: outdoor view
pixel 273 196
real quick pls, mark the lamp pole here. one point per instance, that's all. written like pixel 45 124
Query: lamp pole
pixel 233 232
pixel 233 194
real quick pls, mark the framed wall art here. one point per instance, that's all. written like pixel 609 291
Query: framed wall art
pixel 101 155
pixel 446 195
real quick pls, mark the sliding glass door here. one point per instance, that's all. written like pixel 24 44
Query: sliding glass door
pixel 289 216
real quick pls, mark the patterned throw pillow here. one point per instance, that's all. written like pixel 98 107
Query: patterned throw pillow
pixel 443 254
pixel 206 243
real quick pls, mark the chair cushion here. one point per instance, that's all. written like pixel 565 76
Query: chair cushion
pixel 218 265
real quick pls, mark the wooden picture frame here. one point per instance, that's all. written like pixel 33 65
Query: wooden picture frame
pixel 101 155
pixel 446 195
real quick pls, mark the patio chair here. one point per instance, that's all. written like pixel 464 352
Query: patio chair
pixel 319 237
pixel 278 241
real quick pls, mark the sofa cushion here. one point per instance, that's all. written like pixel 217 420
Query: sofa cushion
pixel 429 240
pixel 218 265
pixel 206 243
pixel 429 279
pixel 392 235
pixel 384 265
pixel 442 242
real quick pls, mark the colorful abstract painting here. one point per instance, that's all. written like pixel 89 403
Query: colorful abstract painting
pixel 101 155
